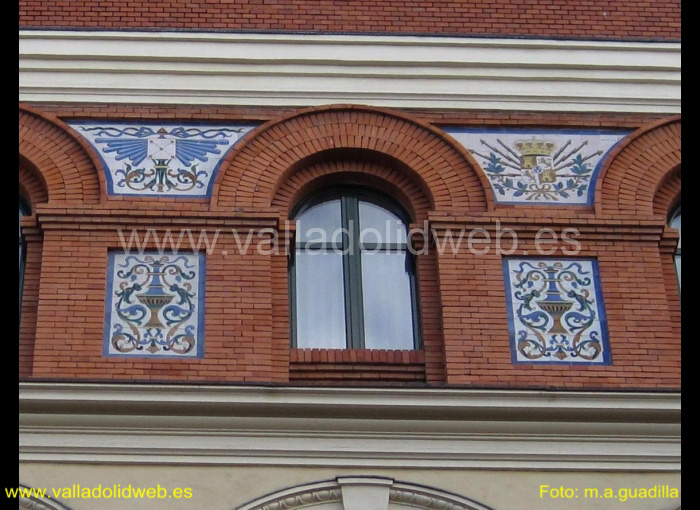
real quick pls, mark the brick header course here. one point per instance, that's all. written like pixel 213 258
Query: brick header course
pixel 592 19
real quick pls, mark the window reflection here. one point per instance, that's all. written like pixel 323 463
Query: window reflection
pixel 386 292
pixel 319 222
pixel 320 300
pixel 352 274
pixel 676 223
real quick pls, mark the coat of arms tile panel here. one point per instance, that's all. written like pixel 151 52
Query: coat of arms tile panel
pixel 160 159
pixel 539 166
pixel 155 305
pixel 555 311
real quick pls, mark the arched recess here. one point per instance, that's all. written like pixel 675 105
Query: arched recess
pixel 33 192
pixel 667 201
pixel 358 167
pixel 254 171
pixel 32 185
pixel 636 169
pixel 67 165
pixel 355 167
pixel 362 493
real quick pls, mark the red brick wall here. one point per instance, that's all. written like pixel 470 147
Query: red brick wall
pixel 67 111
pixel 71 314
pixel 645 348
pixel 586 19
pixel 462 296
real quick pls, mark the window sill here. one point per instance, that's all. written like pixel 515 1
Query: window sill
pixel 357 366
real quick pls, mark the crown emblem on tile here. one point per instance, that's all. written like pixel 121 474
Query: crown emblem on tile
pixel 535 147
pixel 539 166
pixel 534 151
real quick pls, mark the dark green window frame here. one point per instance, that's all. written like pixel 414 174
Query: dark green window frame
pixel 350 197
pixel 677 256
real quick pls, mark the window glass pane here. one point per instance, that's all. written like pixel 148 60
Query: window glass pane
pixel 676 223
pixel 325 216
pixel 387 227
pixel 320 300
pixel 386 290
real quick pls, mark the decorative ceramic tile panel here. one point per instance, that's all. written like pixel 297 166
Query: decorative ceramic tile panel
pixel 539 166
pixel 555 311
pixel 156 159
pixel 155 305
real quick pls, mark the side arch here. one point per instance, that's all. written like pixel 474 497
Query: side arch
pixel 32 185
pixel 254 171
pixel 362 493
pixel 637 168
pixel 668 195
pixel 67 166
pixel 33 191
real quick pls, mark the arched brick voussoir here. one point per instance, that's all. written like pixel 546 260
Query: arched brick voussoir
pixel 258 166
pixel 668 196
pixel 67 165
pixel 31 184
pixel 634 172
pixel 354 170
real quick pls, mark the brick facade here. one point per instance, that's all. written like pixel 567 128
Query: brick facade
pixel 190 134
pixel 533 18
pixel 462 299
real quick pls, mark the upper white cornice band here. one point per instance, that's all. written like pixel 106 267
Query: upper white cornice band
pixel 307 70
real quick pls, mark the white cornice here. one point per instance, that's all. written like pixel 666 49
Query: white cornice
pixel 305 70
pixel 496 400
pixel 350 427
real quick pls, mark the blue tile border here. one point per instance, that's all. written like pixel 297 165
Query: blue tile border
pixel 109 169
pixel 456 131
pixel 606 355
pixel 199 304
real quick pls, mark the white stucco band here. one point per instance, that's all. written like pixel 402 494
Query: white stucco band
pixel 390 71
pixel 349 427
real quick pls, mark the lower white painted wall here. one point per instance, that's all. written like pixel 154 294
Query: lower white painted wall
pixel 230 445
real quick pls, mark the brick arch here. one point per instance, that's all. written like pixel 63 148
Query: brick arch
pixel 32 186
pixel 355 168
pixel 67 166
pixel 636 169
pixel 668 196
pixel 254 171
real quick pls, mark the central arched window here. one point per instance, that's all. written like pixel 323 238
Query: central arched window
pixel 352 275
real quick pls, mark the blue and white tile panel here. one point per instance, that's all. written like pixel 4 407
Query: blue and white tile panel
pixel 539 167
pixel 155 305
pixel 177 160
pixel 555 311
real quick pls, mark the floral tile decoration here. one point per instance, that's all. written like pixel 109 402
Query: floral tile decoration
pixel 159 159
pixel 539 166
pixel 155 305
pixel 555 311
